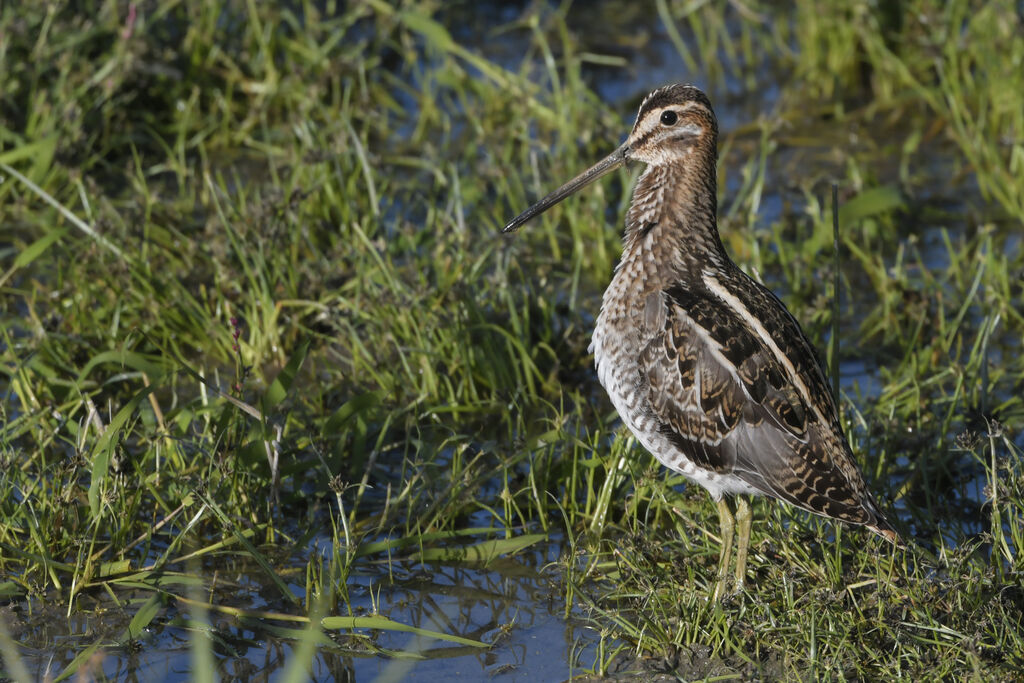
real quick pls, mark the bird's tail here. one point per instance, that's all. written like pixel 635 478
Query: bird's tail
pixel 882 527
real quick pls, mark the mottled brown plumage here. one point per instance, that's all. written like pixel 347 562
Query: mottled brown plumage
pixel 704 364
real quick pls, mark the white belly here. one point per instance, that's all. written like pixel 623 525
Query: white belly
pixel 617 359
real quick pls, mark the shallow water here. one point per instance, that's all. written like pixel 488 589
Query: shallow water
pixel 513 603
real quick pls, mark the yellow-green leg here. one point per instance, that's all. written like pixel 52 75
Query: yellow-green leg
pixel 743 520
pixel 727 525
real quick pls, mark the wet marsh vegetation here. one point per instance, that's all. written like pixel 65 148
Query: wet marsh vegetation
pixel 279 400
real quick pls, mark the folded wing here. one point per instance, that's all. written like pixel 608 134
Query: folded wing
pixel 725 395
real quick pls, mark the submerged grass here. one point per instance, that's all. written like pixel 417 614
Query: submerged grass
pixel 262 352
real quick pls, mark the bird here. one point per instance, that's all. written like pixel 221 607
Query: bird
pixel 704 364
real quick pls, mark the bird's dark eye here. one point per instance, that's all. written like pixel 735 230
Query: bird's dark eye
pixel 669 118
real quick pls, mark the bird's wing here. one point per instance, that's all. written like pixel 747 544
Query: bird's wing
pixel 735 401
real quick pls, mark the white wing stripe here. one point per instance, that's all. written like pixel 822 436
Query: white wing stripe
pixel 757 328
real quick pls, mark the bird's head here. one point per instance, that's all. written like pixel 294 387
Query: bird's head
pixel 674 123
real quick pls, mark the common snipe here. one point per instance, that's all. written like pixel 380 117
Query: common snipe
pixel 705 365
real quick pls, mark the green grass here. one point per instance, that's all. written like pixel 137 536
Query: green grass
pixel 255 320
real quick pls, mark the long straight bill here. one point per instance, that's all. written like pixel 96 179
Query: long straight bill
pixel 603 167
